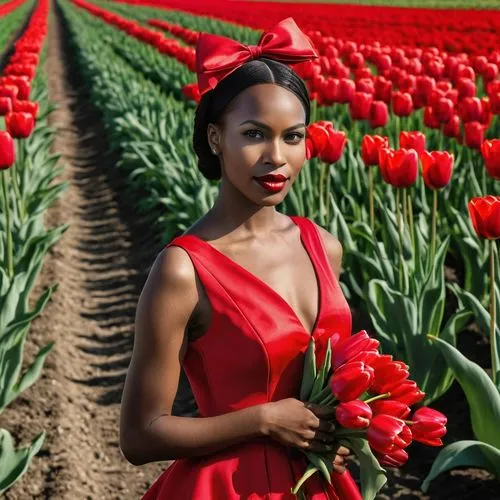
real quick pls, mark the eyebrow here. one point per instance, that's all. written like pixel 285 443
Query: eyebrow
pixel 263 125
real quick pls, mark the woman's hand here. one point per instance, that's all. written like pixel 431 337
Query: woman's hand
pixel 306 426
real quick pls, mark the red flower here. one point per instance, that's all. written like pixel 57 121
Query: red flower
pixel 26 106
pixel 346 90
pixel 390 407
pixel 21 82
pixel 387 374
pixel 351 347
pixel 428 426
pixel 466 88
pixel 402 104
pixel 379 114
pixel 484 212
pixel 474 134
pixel 383 89
pixel 334 147
pixel 370 146
pixel 7 150
pixel 452 128
pixel 354 414
pixel 360 106
pixel 399 168
pixel 437 167
pixel 395 459
pixel 407 392
pixel 443 109
pixel 387 434
pixel 491 155
pixel 5 105
pixel 350 380
pixel 471 109
pixel 10 91
pixel 191 92
pixel 412 140
pixel 19 124
pixel 318 136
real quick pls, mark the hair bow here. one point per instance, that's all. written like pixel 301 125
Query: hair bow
pixel 218 56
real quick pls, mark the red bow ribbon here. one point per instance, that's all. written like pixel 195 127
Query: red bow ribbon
pixel 218 56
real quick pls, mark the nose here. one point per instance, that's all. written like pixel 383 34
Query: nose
pixel 274 153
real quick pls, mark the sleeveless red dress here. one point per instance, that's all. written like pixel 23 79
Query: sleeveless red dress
pixel 253 353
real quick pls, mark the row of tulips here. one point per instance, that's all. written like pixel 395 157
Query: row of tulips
pixel 27 174
pixel 10 24
pixel 472 31
pixel 425 312
pixel 8 7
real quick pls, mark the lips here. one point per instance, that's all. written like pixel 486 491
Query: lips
pixel 272 178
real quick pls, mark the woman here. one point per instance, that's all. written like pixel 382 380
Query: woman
pixel 235 299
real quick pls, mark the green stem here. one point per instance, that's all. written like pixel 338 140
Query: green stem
pixel 434 214
pixel 400 242
pixel 327 200
pixel 372 210
pixel 380 396
pixel 493 340
pixel 9 249
pixel 412 225
pixel 307 474
pixel 323 167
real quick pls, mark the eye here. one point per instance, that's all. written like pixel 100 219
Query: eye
pixel 299 136
pixel 251 133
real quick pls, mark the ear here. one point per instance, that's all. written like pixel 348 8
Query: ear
pixel 214 137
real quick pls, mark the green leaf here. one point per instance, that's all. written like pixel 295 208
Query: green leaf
pixel 464 454
pixel 372 474
pixel 309 372
pixel 482 395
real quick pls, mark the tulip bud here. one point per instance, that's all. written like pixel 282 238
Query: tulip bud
pixel 402 104
pixel 390 407
pixel 407 392
pixel 5 105
pixel 397 458
pixel 387 434
pixel 26 106
pixel 412 140
pixel 484 213
pixel 335 146
pixel 379 114
pixel 360 106
pixel 437 167
pixel 350 380
pixel 387 374
pixel 370 146
pixel 346 349
pixel 353 414
pixel 19 124
pixel 474 134
pixel 491 154
pixel 7 150
pixel 399 168
pixel 428 426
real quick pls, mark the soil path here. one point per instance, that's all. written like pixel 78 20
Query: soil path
pixel 101 264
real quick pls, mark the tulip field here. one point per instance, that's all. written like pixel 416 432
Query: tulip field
pixel 403 168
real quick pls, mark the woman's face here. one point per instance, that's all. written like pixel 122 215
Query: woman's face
pixel 262 132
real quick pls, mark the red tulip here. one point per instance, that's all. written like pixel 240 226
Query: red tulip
pixel 346 90
pixel 466 88
pixel 495 103
pixel 318 138
pixel 5 105
pixel 383 89
pixel 192 92
pixel 349 348
pixel 334 147
pixel 491 154
pixel 470 109
pixel 350 380
pixel 353 414
pixel 19 124
pixel 10 91
pixel 402 104
pixel 387 434
pixel 430 119
pixel 26 106
pixel 379 114
pixel 474 134
pixel 428 426
pixel 7 150
pixel 398 168
pixel 443 109
pixel 390 407
pixel 387 374
pixel 484 212
pixel 370 146
pixel 412 140
pixel 452 128
pixel 21 82
pixel 360 106
pixel 395 459
pixel 437 167
pixel 407 392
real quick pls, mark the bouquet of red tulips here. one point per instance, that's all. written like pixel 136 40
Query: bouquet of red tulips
pixel 372 396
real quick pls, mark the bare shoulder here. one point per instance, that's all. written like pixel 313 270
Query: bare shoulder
pixel 333 249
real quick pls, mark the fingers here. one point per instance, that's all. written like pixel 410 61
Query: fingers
pixel 321 411
pixel 342 450
pixel 326 426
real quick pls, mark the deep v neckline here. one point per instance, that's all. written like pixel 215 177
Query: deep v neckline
pixel 271 290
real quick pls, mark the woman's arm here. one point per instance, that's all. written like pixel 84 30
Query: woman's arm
pixel 148 431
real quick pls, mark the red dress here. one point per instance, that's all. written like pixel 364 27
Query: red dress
pixel 252 353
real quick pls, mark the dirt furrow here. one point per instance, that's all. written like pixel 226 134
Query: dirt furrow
pixel 101 264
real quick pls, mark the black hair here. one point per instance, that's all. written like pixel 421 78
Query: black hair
pixel 214 102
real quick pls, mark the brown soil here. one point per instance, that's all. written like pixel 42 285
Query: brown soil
pixel 101 264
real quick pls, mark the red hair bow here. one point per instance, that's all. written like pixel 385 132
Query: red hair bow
pixel 218 56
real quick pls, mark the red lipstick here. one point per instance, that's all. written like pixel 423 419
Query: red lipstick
pixel 272 182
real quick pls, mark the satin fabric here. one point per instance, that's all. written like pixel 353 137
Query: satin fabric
pixel 218 56
pixel 253 353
